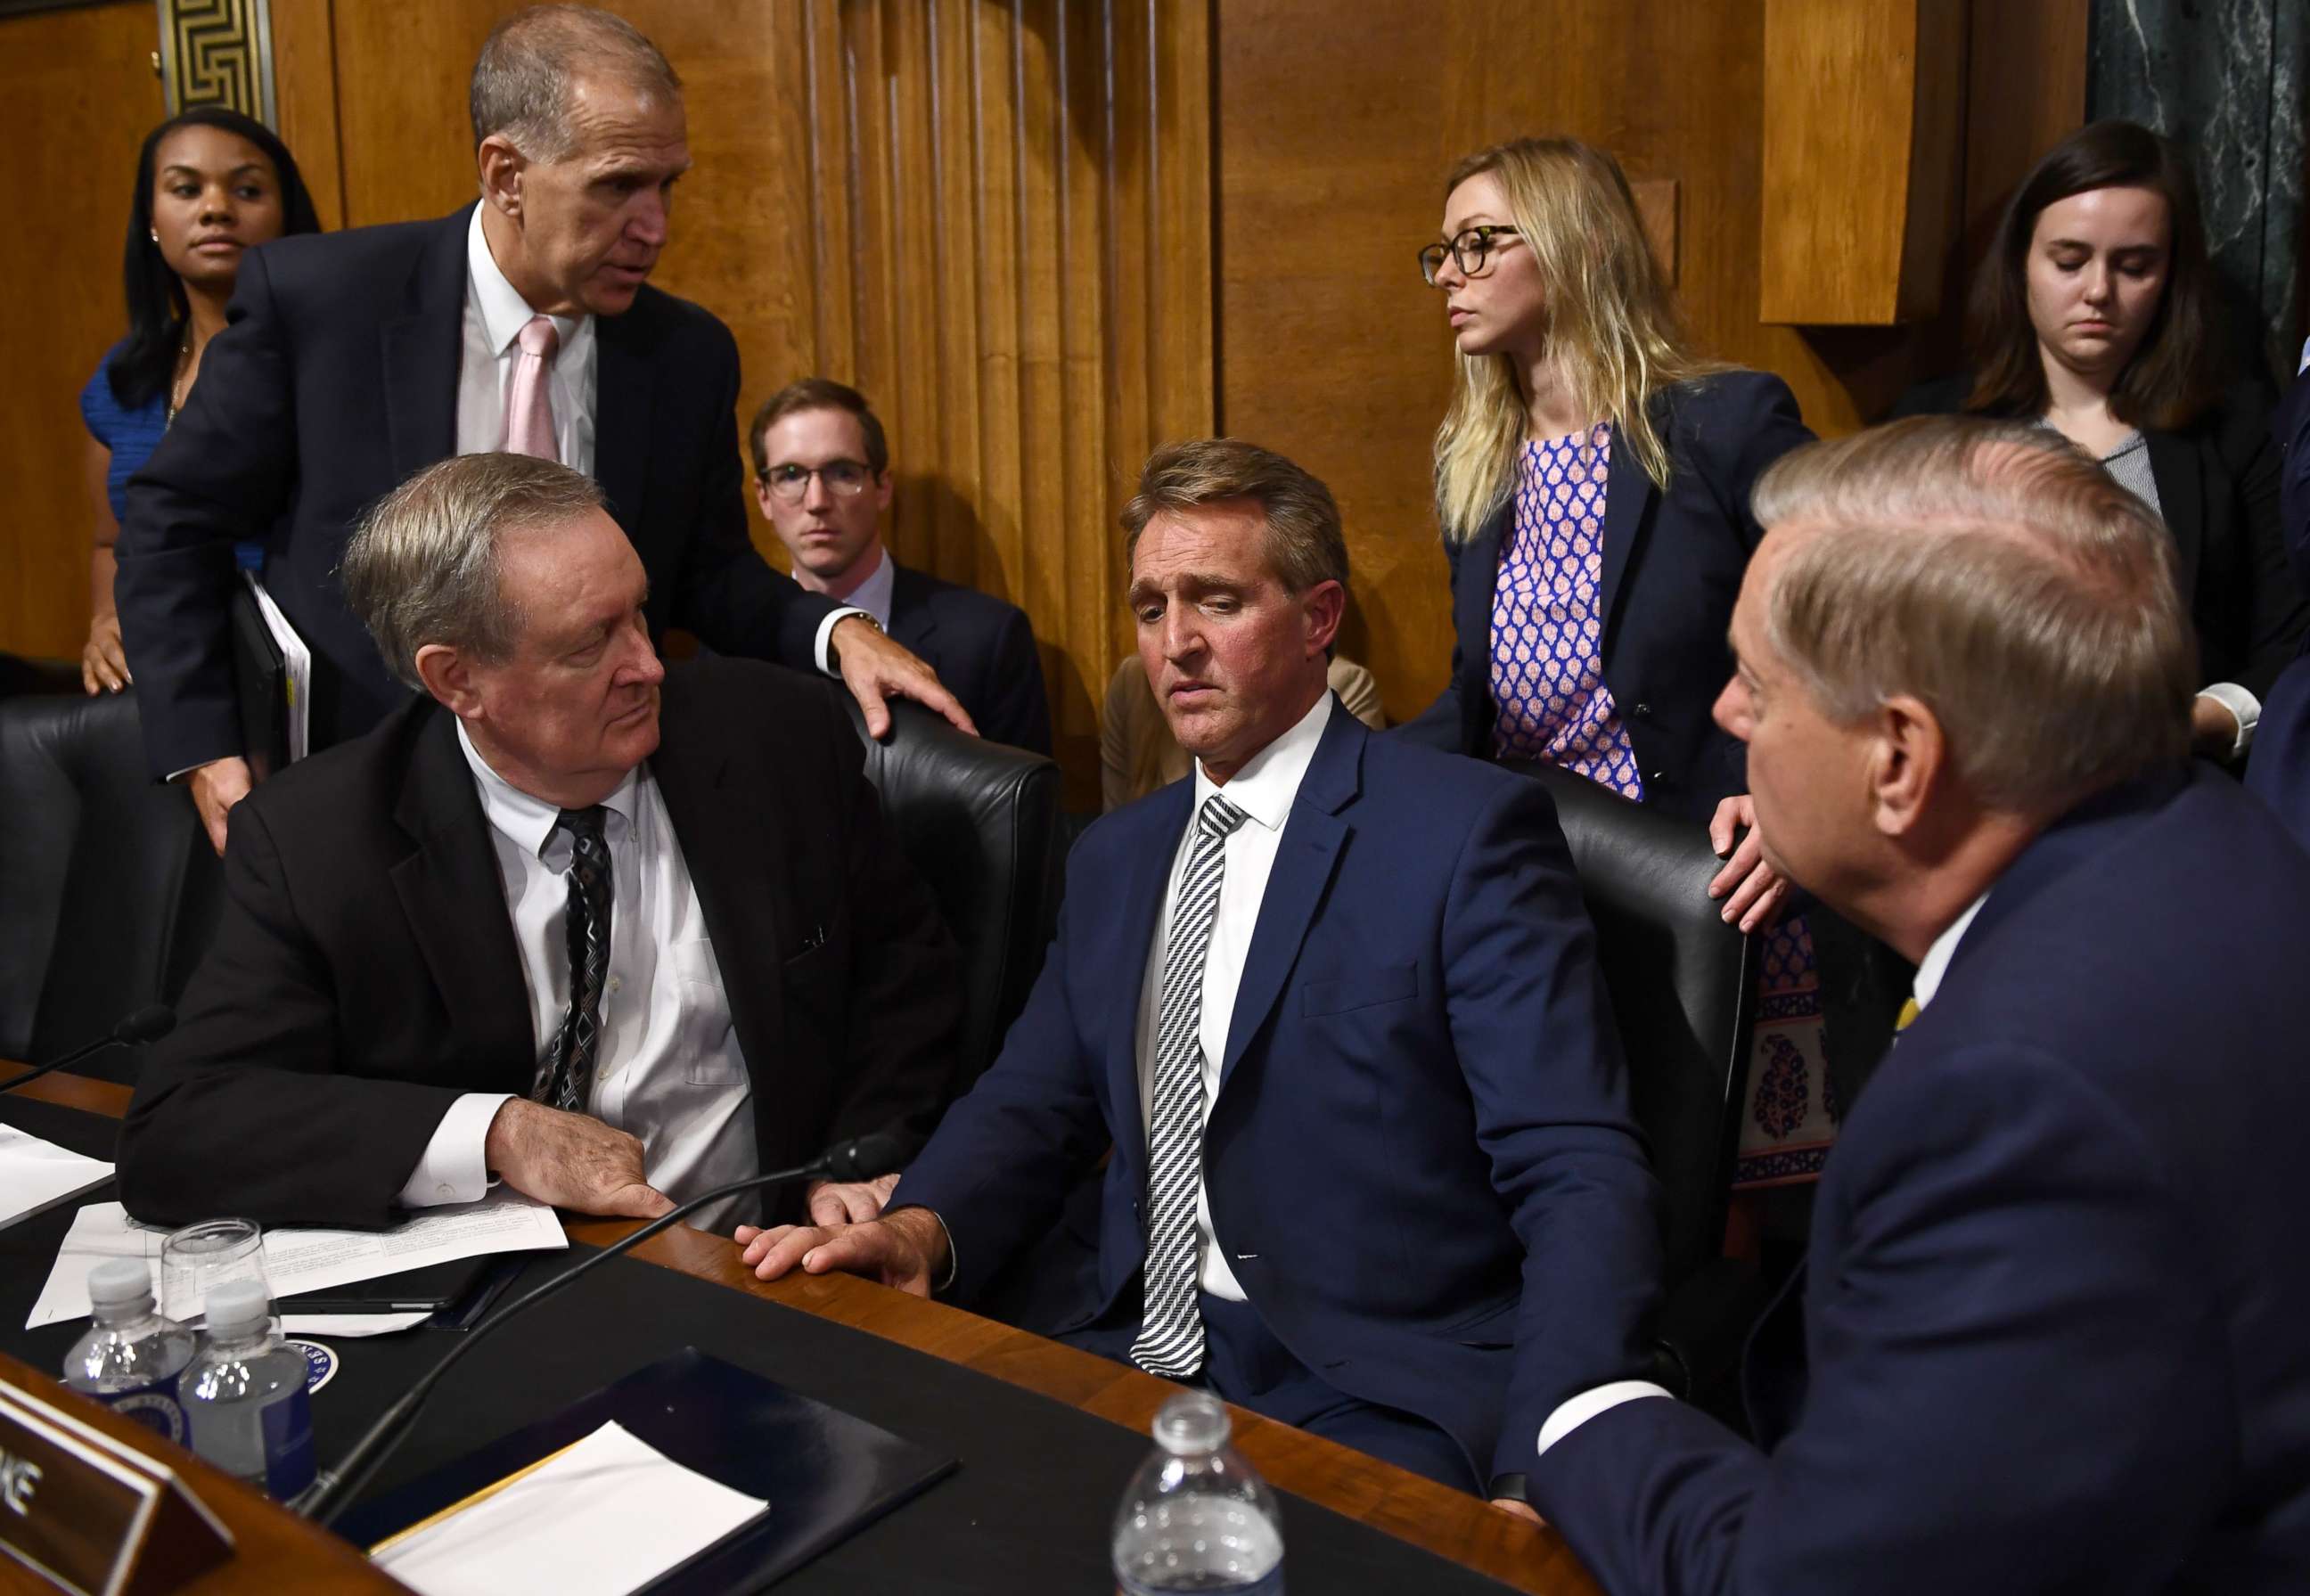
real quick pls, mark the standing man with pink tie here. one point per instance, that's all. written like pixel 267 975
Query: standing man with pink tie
pixel 523 322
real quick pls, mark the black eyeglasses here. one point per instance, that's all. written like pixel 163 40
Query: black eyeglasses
pixel 845 479
pixel 1468 251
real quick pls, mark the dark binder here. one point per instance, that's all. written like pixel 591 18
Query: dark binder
pixel 825 1474
pixel 260 679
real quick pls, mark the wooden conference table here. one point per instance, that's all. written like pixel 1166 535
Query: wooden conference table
pixel 1446 1523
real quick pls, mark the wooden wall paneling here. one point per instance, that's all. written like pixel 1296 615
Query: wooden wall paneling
pixel 2025 92
pixel 77 95
pixel 401 124
pixel 305 93
pixel 1861 158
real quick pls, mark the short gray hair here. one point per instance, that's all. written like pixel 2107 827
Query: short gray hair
pixel 423 566
pixel 523 75
pixel 1304 544
pixel 1996 574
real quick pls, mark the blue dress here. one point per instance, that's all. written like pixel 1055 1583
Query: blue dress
pixel 132 436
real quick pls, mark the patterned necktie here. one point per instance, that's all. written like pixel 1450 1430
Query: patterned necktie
pixel 566 1080
pixel 529 399
pixel 1171 1326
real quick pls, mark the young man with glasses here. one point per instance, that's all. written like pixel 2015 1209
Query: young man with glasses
pixel 822 476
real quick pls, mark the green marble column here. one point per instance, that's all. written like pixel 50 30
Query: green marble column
pixel 2227 79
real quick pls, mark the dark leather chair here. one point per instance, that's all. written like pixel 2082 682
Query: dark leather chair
pixel 108 887
pixel 980 822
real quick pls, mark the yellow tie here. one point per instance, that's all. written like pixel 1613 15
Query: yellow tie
pixel 1908 1016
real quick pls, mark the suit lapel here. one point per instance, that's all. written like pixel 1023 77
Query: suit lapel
pixel 1313 836
pixel 1629 493
pixel 2182 502
pixel 1480 565
pixel 451 889
pixel 419 352
pixel 1141 922
pixel 912 621
pixel 623 377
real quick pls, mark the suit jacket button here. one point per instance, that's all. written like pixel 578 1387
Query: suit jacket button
pixel 1656 776
pixel 1643 712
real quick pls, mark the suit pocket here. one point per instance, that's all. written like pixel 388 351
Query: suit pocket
pixel 1393 984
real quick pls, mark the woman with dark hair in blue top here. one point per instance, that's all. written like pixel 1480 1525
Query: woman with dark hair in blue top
pixel 210 185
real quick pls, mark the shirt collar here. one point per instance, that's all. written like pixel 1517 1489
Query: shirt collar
pixel 874 594
pixel 504 312
pixel 1270 779
pixel 528 821
pixel 1936 961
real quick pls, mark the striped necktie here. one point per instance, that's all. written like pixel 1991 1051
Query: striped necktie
pixel 1170 1339
pixel 566 1080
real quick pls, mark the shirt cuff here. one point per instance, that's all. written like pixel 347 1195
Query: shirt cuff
pixel 1571 1415
pixel 454 1164
pixel 2240 703
pixel 826 634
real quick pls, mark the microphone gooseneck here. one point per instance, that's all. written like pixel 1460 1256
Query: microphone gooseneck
pixel 147 1024
pixel 859 1158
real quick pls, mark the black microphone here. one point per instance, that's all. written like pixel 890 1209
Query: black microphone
pixel 148 1024
pixel 862 1158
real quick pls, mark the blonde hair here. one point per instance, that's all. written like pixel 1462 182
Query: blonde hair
pixel 1613 326
pixel 1996 574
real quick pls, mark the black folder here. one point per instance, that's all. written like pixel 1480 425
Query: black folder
pixel 825 1474
pixel 260 680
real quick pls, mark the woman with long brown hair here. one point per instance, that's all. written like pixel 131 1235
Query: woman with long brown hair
pixel 1592 479
pixel 2096 315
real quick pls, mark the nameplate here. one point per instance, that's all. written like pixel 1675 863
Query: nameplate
pixel 93 1515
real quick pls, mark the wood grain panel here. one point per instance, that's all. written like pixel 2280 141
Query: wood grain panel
pixel 305 93
pixel 77 95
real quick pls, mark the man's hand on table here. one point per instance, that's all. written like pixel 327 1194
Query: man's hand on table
pixel 849 1203
pixel 570 1160
pixel 1522 1510
pixel 906 1249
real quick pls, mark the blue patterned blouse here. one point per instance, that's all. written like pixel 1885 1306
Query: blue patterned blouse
pixel 132 435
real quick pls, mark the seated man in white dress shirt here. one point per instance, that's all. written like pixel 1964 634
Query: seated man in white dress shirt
pixel 609 932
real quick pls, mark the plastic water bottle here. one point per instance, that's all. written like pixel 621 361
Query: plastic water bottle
pixel 245 1397
pixel 130 1356
pixel 1196 1517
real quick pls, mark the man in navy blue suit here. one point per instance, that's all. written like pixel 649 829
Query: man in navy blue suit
pixel 2050 1333
pixel 822 477
pixel 1334 1003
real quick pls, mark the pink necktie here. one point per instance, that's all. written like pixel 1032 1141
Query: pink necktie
pixel 529 403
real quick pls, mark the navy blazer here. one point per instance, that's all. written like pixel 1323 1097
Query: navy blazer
pixel 2050 1335
pixel 1673 563
pixel 335 381
pixel 1421 1161
pixel 2218 493
pixel 982 648
pixel 2280 767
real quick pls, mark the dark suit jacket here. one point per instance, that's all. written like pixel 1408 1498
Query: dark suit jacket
pixel 982 648
pixel 1673 566
pixel 2218 491
pixel 336 381
pixel 365 972
pixel 1421 1161
pixel 2280 767
pixel 2050 1335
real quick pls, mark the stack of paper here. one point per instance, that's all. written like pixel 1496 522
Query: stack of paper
pixel 297 1260
pixel 35 1175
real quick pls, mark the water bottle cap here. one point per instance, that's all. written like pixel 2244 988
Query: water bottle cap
pixel 120 1281
pixel 237 1306
pixel 1193 1421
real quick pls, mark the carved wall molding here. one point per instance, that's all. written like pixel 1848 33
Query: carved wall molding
pixel 218 52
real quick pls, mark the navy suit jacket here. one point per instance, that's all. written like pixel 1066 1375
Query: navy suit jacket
pixel 1673 563
pixel 335 381
pixel 2280 767
pixel 982 648
pixel 2051 1333
pixel 1420 1161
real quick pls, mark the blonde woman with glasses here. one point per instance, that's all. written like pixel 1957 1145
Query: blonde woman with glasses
pixel 1592 478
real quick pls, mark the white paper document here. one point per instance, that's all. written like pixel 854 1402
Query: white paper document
pixel 299 1261
pixel 601 1518
pixel 35 1175
pixel 347 1327
pixel 296 663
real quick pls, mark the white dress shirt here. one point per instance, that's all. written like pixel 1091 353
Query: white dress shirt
pixel 1575 1411
pixel 495 315
pixel 668 1070
pixel 1263 790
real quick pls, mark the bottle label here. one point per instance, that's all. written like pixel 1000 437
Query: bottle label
pixel 288 1445
pixel 153 1406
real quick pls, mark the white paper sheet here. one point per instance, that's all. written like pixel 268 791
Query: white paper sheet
pixel 603 1518
pixel 297 665
pixel 35 1175
pixel 300 1261
pixel 349 1327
